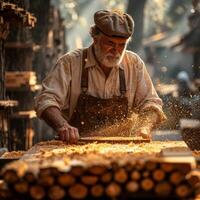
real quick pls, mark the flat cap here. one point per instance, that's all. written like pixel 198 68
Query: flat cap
pixel 114 23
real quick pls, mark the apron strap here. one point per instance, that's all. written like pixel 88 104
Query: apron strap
pixel 122 82
pixel 84 76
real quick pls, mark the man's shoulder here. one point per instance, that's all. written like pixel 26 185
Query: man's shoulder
pixel 73 54
pixel 134 57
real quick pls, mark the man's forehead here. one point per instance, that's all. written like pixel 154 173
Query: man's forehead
pixel 114 39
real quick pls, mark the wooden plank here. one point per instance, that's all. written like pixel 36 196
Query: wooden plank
pixel 113 139
pixel 1 5
pixel 20 73
pixel 29 138
pixel 17 14
pixel 22 11
pixel 25 114
pixel 8 103
pixel 31 88
pixel 1 20
pixel 176 151
pixel 183 163
pixel 9 6
pixel 141 149
pixel 189 123
pixel 15 79
pixel 18 83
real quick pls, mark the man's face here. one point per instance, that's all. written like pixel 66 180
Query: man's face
pixel 109 51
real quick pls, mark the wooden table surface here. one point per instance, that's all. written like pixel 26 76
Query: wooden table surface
pixel 57 149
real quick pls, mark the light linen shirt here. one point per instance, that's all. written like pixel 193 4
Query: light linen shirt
pixel 62 86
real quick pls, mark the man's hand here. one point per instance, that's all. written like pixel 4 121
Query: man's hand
pixel 144 132
pixel 145 122
pixel 53 117
pixel 68 134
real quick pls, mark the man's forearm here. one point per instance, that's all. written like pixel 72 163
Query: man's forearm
pixel 53 117
pixel 144 123
pixel 148 119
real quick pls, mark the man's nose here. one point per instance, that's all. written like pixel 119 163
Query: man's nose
pixel 116 48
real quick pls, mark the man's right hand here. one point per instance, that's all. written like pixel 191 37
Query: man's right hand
pixel 68 134
pixel 53 117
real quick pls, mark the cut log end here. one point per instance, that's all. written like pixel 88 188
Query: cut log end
pixel 113 190
pixel 37 192
pixel 97 190
pixel 78 191
pixel 163 189
pixel 132 186
pixel 56 192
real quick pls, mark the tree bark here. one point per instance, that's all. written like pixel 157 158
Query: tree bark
pixel 136 10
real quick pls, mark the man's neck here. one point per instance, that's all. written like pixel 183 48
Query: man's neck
pixel 106 70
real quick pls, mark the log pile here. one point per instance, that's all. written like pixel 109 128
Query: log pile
pixel 99 176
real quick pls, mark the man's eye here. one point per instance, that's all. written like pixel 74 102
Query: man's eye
pixel 110 43
pixel 122 45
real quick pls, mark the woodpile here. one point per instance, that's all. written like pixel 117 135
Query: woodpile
pixel 97 175
pixel 142 179
pixel 18 79
pixel 16 14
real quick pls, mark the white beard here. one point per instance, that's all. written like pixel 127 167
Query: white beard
pixel 107 59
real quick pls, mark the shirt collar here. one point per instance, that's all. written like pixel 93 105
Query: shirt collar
pixel 91 61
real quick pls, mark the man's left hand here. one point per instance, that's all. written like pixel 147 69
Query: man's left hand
pixel 144 132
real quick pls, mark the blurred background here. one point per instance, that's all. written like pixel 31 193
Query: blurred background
pixel 166 36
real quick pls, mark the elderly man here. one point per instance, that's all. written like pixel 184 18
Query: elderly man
pixel 100 86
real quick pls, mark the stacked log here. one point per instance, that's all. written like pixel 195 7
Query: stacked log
pixel 136 178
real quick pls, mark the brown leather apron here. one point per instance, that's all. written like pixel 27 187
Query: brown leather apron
pixel 92 113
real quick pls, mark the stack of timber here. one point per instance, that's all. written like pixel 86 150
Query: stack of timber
pixel 18 79
pixel 54 170
pixel 16 15
pixel 13 20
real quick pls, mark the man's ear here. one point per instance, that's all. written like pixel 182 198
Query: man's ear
pixel 95 39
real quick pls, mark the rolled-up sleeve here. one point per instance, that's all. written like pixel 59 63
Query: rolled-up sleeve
pixel 55 88
pixel 146 97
